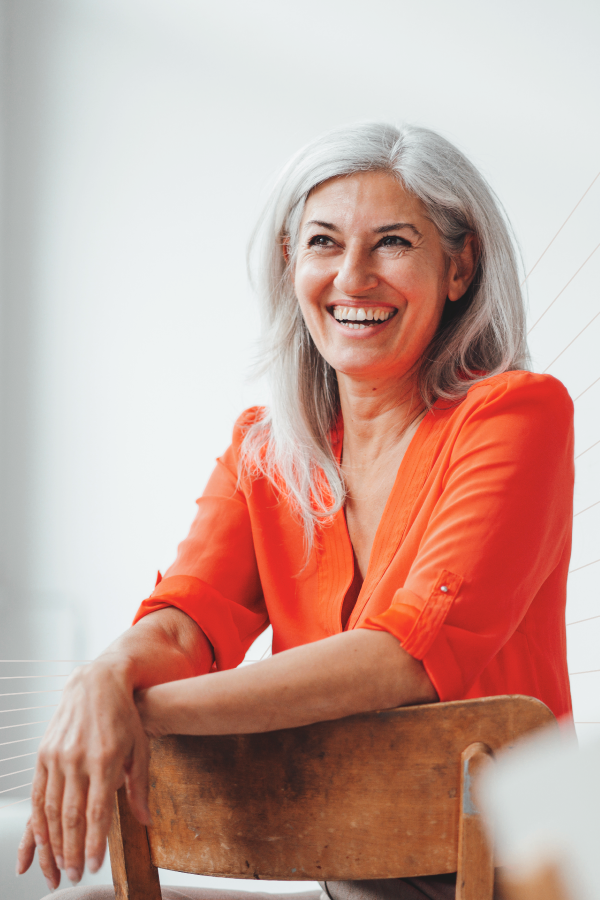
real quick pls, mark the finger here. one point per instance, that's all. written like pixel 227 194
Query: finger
pixel 39 825
pixel 136 781
pixel 48 866
pixel 74 825
pixel 53 804
pixel 26 853
pixel 106 775
pixel 99 817
pixel 26 850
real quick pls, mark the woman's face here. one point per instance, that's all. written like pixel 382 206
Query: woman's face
pixel 371 276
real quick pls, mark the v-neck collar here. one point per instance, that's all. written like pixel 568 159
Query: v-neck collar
pixel 336 564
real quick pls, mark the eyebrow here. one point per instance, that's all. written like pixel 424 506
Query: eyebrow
pixel 384 229
pixel 396 227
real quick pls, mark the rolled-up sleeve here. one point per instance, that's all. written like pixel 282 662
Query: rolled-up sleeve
pixel 498 531
pixel 215 578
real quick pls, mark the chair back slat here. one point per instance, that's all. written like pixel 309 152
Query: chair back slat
pixel 372 796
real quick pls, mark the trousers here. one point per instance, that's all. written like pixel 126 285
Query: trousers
pixel 434 887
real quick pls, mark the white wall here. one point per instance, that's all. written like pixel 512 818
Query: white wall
pixel 141 137
pixel 144 135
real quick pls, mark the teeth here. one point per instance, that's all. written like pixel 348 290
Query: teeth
pixel 355 315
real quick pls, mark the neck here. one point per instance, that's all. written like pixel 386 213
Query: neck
pixel 377 414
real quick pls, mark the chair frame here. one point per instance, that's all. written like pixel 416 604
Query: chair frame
pixel 380 795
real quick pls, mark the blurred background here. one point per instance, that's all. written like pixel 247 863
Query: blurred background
pixel 138 142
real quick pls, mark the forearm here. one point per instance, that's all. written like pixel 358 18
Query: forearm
pixel 166 645
pixel 345 674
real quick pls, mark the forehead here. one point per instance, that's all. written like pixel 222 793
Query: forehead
pixel 364 198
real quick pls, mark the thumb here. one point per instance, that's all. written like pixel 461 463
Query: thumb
pixel 136 780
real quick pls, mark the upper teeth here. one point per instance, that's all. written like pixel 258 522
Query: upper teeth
pixel 359 314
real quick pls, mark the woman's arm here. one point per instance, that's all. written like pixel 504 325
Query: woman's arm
pixel 96 742
pixel 347 673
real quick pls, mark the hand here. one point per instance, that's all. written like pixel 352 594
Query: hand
pixel 94 744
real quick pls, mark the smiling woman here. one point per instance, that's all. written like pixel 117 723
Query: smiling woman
pixel 401 515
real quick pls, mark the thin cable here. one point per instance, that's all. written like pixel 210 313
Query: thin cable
pixel 23 724
pixel 21 740
pixel 573 341
pixel 563 289
pixel 23 693
pixel 589 448
pixel 579 621
pixel 27 708
pixel 561 228
pixel 23 800
pixel 587 507
pixel 18 772
pixel 16 787
pixel 586 390
pixel 593 562
pixel 20 756
pixel 587 672
pixel 14 677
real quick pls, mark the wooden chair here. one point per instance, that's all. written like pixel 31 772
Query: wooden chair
pixel 380 795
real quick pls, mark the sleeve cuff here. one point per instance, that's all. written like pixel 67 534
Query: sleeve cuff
pixel 414 622
pixel 230 627
pixel 399 619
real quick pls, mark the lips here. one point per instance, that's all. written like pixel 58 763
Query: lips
pixel 361 316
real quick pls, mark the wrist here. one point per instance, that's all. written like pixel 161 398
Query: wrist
pixel 153 713
pixel 120 666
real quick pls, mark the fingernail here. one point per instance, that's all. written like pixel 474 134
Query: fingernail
pixel 93 864
pixel 73 875
pixel 50 884
pixel 60 862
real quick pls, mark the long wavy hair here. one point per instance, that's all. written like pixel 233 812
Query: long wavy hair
pixel 479 335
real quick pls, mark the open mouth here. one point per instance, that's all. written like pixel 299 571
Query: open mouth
pixel 361 317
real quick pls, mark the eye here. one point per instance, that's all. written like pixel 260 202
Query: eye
pixel 320 240
pixel 394 240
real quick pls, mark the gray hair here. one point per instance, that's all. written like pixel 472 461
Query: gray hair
pixel 481 334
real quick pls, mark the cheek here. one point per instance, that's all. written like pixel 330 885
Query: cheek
pixel 310 281
pixel 423 289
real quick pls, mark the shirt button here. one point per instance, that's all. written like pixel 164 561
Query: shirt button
pixel 444 588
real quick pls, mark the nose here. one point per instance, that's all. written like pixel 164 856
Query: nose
pixel 355 274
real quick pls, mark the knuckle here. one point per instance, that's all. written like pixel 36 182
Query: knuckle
pixel 51 758
pixel 73 818
pixel 97 813
pixel 72 757
pixel 101 757
pixel 37 796
pixel 52 811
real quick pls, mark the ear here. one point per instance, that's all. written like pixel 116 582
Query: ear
pixel 285 248
pixel 462 268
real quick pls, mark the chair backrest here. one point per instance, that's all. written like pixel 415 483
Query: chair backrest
pixel 379 795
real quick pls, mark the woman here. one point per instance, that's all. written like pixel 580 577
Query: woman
pixel 401 515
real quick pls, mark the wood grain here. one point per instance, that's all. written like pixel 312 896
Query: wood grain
pixel 475 875
pixel 372 796
pixel 134 875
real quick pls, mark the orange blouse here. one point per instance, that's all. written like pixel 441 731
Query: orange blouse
pixel 469 564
